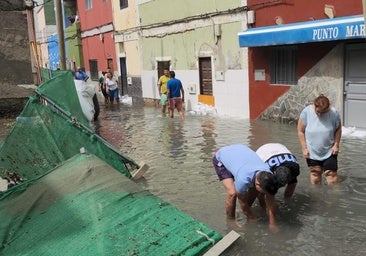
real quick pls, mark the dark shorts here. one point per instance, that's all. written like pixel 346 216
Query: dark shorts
pixel 295 171
pixel 114 94
pixel 176 103
pixel 221 170
pixel 330 163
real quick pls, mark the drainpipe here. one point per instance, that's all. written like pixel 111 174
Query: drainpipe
pixel 61 36
pixel 364 11
pixel 32 41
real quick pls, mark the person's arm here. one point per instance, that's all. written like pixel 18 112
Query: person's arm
pixel 337 139
pixel 182 90
pixel 289 191
pixel 159 86
pixel 271 212
pixel 301 135
pixel 245 205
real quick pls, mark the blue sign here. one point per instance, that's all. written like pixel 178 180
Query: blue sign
pixel 350 27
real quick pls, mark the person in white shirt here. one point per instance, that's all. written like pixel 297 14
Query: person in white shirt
pixel 282 163
pixel 112 87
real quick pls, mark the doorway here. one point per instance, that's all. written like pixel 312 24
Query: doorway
pixel 355 85
pixel 124 87
pixel 205 72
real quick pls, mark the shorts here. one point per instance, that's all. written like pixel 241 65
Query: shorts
pixel 175 103
pixel 113 94
pixel 163 99
pixel 294 170
pixel 221 170
pixel 330 163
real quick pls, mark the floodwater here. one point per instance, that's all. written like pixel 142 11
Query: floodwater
pixel 318 220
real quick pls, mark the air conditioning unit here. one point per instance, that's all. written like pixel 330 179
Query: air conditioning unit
pixel 250 17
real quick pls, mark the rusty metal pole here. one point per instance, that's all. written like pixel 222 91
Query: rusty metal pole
pixel 33 43
pixel 60 32
pixel 364 11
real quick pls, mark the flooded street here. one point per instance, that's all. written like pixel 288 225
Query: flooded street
pixel 318 220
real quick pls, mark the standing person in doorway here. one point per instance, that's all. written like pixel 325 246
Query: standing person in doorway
pixel 112 87
pixel 319 130
pixel 162 87
pixel 244 175
pixel 282 163
pixel 175 93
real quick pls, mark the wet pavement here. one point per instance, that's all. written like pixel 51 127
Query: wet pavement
pixel 318 220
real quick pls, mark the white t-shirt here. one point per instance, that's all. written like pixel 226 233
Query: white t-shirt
pixel 268 150
pixel 111 83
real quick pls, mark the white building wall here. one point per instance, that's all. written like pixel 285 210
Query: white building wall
pixel 231 95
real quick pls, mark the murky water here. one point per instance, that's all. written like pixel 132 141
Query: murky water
pixel 318 220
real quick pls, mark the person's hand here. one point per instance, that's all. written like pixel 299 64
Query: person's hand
pixel 274 228
pixel 335 149
pixel 305 153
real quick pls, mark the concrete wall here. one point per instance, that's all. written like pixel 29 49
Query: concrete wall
pixel 16 78
pixel 187 31
pixel 15 54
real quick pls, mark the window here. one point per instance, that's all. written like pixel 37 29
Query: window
pixel 110 64
pixel 283 65
pixel 88 4
pixel 123 4
pixel 93 64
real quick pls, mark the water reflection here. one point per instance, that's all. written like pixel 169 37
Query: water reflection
pixel 318 220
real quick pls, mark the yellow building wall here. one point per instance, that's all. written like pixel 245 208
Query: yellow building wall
pixel 125 18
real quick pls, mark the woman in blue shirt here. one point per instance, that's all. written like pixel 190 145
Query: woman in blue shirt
pixel 319 130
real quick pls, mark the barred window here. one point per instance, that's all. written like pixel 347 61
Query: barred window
pixel 93 64
pixel 283 65
pixel 123 4
pixel 88 4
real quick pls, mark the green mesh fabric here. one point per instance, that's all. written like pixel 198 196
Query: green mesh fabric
pixel 81 204
pixel 41 139
pixel 85 207
pixel 62 92
pixel 45 134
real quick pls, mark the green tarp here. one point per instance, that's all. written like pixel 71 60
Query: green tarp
pixel 67 203
pixel 85 207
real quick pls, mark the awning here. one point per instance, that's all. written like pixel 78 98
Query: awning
pixel 350 27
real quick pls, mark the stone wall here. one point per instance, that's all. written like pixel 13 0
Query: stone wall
pixel 15 58
pixel 16 78
pixel 326 77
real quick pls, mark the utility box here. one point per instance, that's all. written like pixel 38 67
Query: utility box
pixel 192 88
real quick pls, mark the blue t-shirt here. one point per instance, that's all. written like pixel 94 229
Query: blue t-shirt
pixel 320 131
pixel 174 86
pixel 243 163
pixel 80 75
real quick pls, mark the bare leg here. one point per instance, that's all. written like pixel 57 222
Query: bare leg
pixel 163 109
pixel 289 191
pixel 331 177
pixel 171 113
pixel 315 175
pixel 181 114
